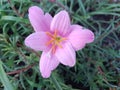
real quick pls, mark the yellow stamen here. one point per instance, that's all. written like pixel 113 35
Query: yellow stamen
pixel 49 42
pixel 55 34
pixel 57 43
pixel 49 34
pixel 53 48
pixel 55 40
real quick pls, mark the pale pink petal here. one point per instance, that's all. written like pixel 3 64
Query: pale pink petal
pixel 54 62
pixel 37 19
pixel 61 23
pixel 35 9
pixel 48 18
pixel 75 26
pixel 44 66
pixel 47 64
pixel 66 54
pixel 80 36
pixel 37 41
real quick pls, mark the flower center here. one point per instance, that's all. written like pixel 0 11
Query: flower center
pixel 55 40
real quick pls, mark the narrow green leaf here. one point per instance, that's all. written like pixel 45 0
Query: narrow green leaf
pixel 4 79
pixel 82 7
pixel 55 82
pixel 12 18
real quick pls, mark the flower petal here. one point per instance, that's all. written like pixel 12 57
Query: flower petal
pixel 80 36
pixel 47 64
pixel 66 54
pixel 48 18
pixel 61 23
pixel 37 19
pixel 37 41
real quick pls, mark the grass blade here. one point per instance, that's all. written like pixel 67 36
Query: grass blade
pixel 4 79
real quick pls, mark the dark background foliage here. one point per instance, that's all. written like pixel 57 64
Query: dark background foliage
pixel 97 65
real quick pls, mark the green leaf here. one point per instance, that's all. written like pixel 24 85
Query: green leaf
pixel 12 18
pixel 82 7
pixel 4 79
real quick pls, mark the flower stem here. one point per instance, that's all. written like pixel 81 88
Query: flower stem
pixel 58 87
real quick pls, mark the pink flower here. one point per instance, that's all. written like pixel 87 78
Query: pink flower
pixel 57 38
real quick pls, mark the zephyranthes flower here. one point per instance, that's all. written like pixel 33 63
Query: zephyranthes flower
pixel 57 38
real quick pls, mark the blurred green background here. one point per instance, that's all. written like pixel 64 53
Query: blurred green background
pixel 98 64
